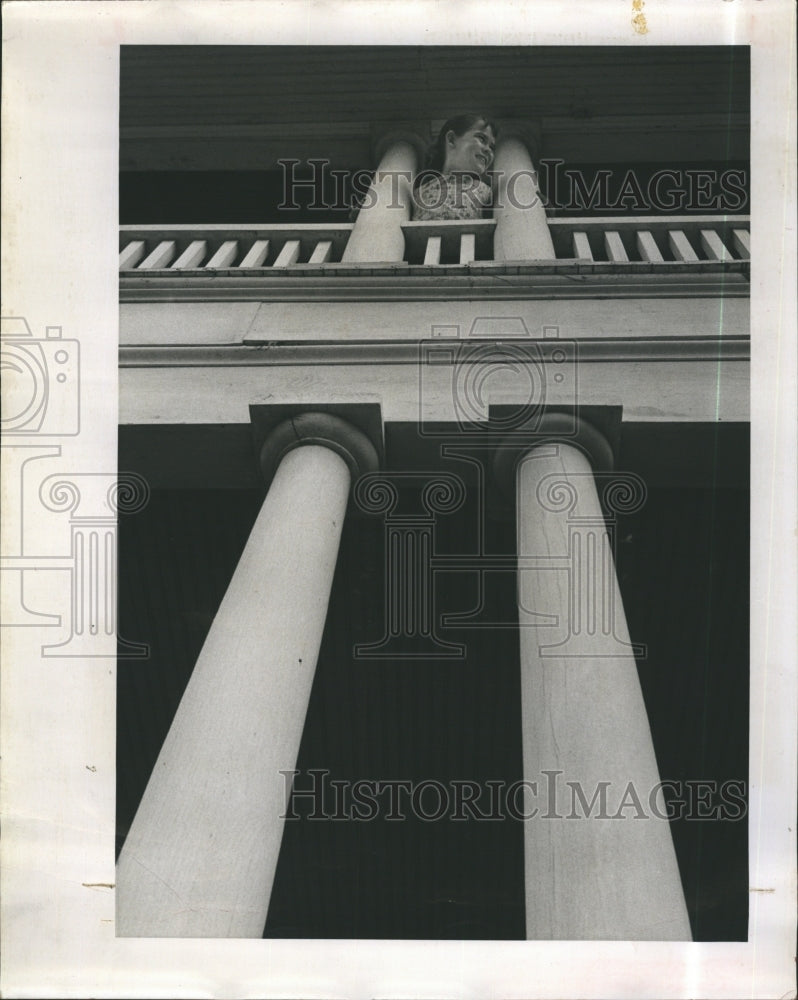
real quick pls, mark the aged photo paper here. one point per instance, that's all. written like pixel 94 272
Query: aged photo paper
pixel 399 563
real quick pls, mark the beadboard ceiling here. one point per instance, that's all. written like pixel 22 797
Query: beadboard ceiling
pixel 244 107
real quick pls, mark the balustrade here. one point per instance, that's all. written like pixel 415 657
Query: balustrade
pixel 631 243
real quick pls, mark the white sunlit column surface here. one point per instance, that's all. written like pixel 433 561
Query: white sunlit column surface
pixel 591 872
pixel 377 235
pixel 201 854
pixel 522 231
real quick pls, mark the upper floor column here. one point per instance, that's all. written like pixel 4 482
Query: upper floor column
pixel 377 235
pixel 522 231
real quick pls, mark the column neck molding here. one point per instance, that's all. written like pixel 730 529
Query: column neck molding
pixel 550 430
pixel 326 430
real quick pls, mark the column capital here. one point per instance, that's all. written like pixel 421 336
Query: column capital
pixel 325 429
pixel 550 429
pixel 527 132
pixel 415 133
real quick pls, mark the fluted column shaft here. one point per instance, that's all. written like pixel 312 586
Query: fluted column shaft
pixel 588 876
pixel 522 232
pixel 200 857
pixel 377 235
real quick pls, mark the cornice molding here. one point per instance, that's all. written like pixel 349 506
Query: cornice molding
pixel 665 349
pixel 632 124
pixel 398 282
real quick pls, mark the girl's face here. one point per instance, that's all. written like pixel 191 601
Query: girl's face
pixel 471 152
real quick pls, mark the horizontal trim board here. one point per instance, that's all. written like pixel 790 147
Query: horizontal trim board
pixel 226 231
pixel 409 353
pixel 309 283
pixel 414 318
pixel 632 124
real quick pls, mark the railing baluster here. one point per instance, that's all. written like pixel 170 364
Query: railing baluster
pixel 616 252
pixel 225 255
pixel 321 252
pixel 192 255
pixel 648 248
pixel 256 254
pixel 468 248
pixel 582 246
pixel 160 256
pixel 742 243
pixel 449 242
pixel 288 255
pixel 433 253
pixel 680 245
pixel 714 246
pixel 131 255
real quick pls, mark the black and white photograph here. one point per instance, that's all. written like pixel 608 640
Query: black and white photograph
pixel 529 370
pixel 399 555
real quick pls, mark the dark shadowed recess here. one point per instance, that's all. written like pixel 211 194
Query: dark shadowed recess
pixel 205 132
pixel 312 195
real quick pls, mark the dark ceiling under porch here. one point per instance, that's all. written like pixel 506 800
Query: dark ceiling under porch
pixel 243 106
pixel 205 131
pixel 682 561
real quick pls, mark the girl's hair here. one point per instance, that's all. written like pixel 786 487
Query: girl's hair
pixel 436 157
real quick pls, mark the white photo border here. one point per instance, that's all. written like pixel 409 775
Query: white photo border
pixel 60 212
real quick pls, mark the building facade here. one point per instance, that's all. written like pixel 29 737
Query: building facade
pixel 448 521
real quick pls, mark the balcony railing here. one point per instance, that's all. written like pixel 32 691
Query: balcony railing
pixel 209 248
pixel 654 239
pixel 650 243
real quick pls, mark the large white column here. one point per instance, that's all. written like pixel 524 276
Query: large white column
pixel 200 857
pixel 522 232
pixel 377 235
pixel 587 875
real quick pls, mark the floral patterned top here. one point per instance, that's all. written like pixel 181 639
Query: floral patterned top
pixel 450 196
